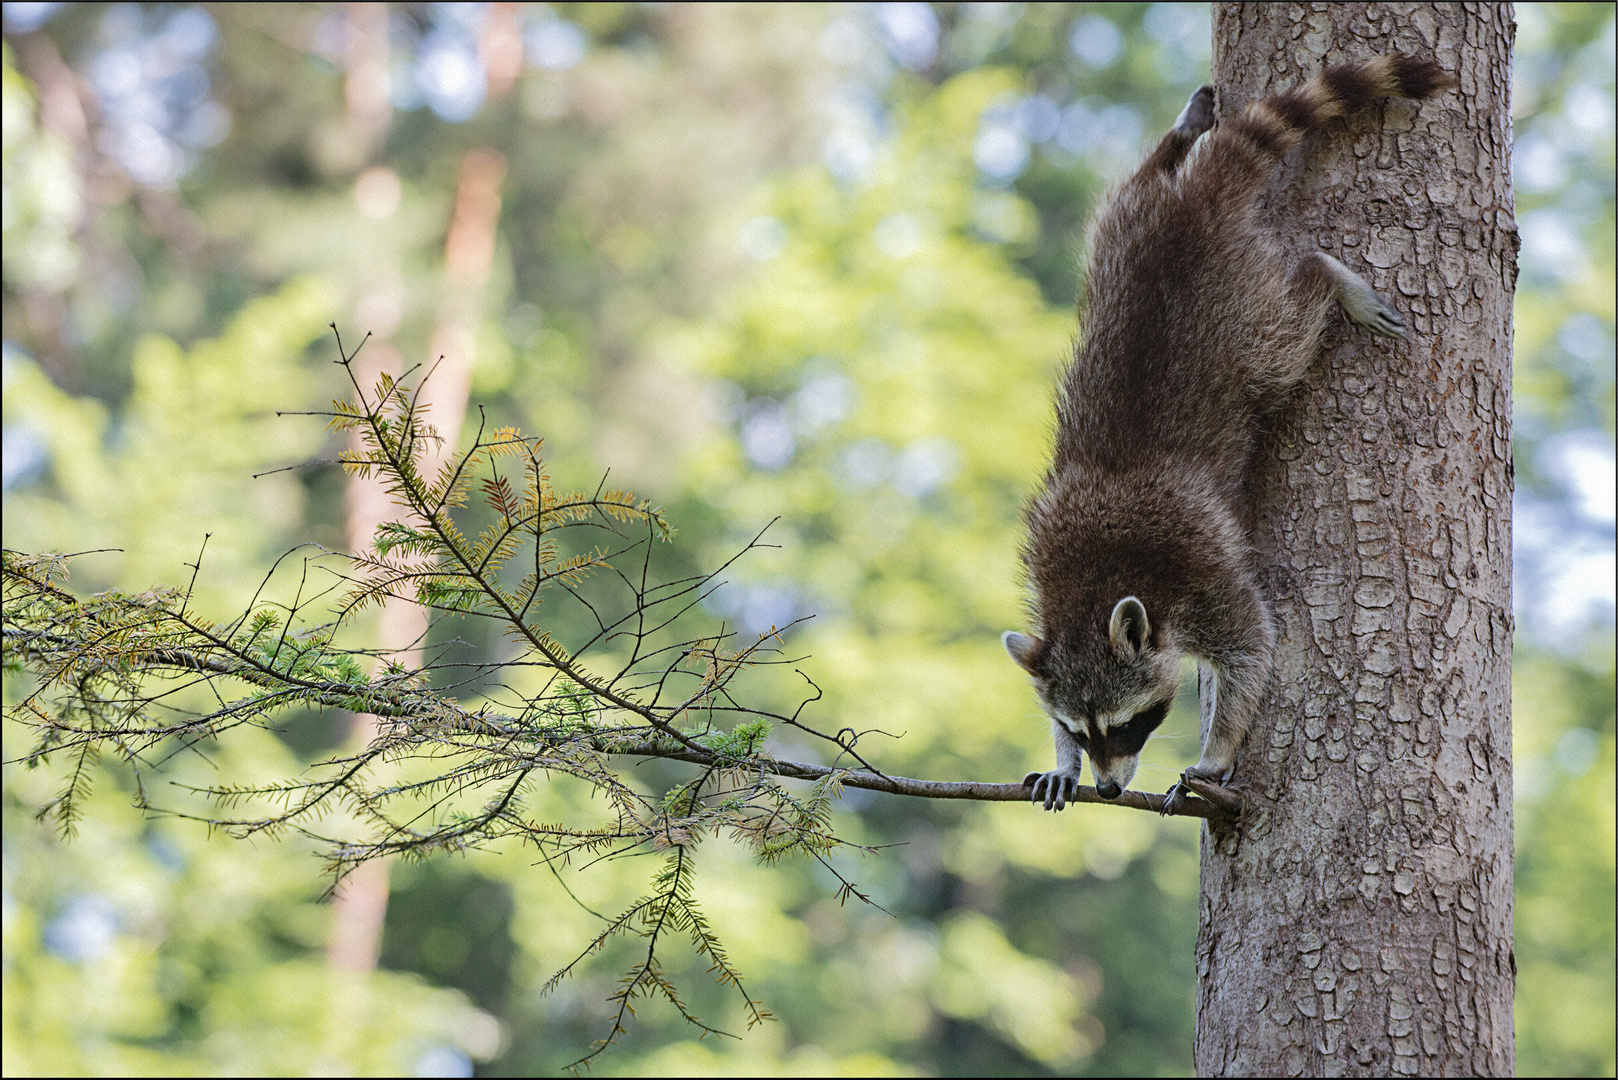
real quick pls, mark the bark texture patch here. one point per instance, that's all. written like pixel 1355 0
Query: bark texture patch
pixel 1358 921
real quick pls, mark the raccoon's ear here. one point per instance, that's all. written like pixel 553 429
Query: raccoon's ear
pixel 1129 629
pixel 1024 649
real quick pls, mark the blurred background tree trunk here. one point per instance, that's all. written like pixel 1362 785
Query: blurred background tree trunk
pixel 1360 920
pixel 360 906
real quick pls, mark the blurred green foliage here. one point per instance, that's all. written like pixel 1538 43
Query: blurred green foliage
pixel 814 264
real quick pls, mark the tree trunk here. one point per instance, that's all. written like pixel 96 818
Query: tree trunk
pixel 1358 920
pixel 360 906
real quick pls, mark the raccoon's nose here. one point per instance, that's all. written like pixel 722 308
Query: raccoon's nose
pixel 1109 790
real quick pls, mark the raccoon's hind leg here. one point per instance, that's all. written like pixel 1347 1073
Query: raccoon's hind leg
pixel 1364 307
pixel 1194 119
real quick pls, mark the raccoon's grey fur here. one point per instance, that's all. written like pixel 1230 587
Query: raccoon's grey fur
pixel 1194 326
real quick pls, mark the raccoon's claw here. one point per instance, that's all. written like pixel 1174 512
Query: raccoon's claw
pixel 1056 788
pixel 1174 801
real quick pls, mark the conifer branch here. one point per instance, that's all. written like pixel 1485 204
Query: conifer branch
pixel 146 676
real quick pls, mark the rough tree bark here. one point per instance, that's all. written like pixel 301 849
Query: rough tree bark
pixel 1358 920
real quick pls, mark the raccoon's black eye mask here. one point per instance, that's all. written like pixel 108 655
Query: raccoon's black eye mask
pixel 1129 738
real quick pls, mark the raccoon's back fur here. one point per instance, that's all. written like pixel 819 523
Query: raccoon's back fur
pixel 1195 324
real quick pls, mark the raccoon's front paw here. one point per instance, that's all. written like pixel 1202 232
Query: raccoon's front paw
pixel 1055 787
pixel 1212 772
pixel 1174 801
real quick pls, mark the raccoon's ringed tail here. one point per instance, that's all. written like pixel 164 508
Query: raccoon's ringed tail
pixel 1277 122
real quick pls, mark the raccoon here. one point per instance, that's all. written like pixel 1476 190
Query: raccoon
pixel 1194 328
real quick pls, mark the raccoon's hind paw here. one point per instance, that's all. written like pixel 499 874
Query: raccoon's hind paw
pixel 1364 307
pixel 1377 317
pixel 1056 788
pixel 1198 114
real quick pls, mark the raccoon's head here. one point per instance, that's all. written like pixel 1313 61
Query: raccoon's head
pixel 1110 687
